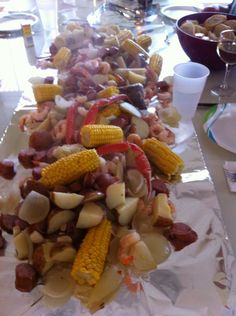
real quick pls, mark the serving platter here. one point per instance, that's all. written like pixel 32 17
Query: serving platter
pixel 169 289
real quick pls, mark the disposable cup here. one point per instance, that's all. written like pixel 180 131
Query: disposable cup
pixel 48 10
pixel 188 84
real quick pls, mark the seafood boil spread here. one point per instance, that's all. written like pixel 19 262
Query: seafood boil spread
pixel 94 210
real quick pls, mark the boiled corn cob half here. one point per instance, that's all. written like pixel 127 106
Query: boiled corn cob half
pixel 90 260
pixel 93 135
pixel 155 63
pixel 46 92
pixel 62 57
pixel 144 41
pixel 108 92
pixel 133 48
pixel 70 168
pixel 163 157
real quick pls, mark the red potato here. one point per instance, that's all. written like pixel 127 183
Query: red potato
pixel 34 208
pixel 90 215
pixel 140 126
pixel 126 212
pixel 62 252
pixel 115 195
pixel 57 218
pixel 161 211
pixel 66 200
pixel 23 245
pixel 41 259
pixel 103 181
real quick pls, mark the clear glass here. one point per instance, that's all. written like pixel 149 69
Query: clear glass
pixel 226 50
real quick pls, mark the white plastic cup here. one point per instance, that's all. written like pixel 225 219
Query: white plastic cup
pixel 48 10
pixel 188 84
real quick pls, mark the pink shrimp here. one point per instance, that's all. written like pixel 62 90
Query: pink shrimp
pixel 82 111
pixel 164 99
pixel 24 121
pixel 135 138
pixel 40 114
pixel 133 287
pixel 166 136
pixel 104 68
pixel 156 129
pixel 172 206
pixel 126 243
pixel 59 130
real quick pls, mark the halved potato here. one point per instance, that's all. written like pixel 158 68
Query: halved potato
pixel 90 215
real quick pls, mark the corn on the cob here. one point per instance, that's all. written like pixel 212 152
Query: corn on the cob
pixel 93 135
pixel 163 157
pixel 108 92
pixel 90 260
pixel 133 48
pixel 136 78
pixel 70 168
pixel 46 92
pixel 155 63
pixel 111 110
pixel 144 41
pixel 61 58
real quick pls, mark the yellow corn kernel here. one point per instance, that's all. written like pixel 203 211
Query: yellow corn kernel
pixel 155 63
pixel 70 168
pixel 60 60
pixel 46 92
pixel 133 48
pixel 108 92
pixel 144 41
pixel 111 110
pixel 163 157
pixel 93 135
pixel 90 260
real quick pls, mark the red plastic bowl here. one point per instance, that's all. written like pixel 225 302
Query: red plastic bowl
pixel 200 50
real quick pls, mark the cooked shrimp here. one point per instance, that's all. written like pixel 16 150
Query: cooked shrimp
pixel 82 111
pixel 24 121
pixel 132 286
pixel 164 99
pixel 59 130
pixel 126 243
pixel 172 206
pixel 166 136
pixel 104 68
pixel 55 117
pixel 40 114
pixel 145 208
pixel 156 129
pixel 135 138
pixel 81 99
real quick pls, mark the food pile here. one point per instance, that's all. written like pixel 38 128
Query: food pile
pixel 210 29
pixel 96 210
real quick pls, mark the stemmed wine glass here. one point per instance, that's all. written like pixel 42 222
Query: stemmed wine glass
pixel 226 50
